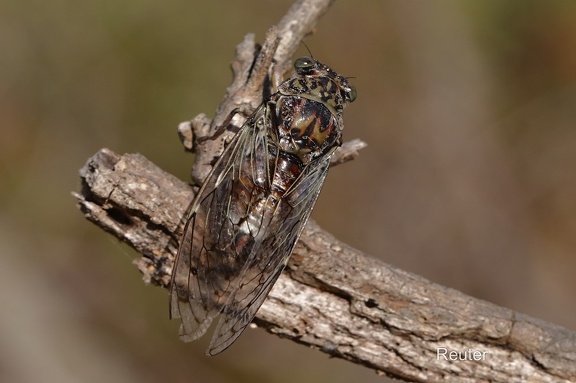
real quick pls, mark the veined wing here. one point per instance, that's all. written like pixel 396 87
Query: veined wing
pixel 239 236
pixel 207 265
pixel 277 238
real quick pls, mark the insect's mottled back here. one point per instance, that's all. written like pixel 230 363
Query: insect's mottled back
pixel 250 211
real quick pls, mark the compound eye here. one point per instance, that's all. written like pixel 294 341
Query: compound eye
pixel 304 65
pixel 350 93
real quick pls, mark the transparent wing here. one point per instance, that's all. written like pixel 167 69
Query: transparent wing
pixel 239 235
pixel 279 232
pixel 207 264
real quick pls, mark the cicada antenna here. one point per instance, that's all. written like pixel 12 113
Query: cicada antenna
pixel 308 49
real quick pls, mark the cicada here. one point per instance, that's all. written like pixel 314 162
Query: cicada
pixel 248 214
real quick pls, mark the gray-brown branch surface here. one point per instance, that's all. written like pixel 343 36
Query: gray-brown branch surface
pixel 331 296
pixel 336 299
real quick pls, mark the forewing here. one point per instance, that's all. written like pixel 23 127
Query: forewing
pixel 210 260
pixel 279 231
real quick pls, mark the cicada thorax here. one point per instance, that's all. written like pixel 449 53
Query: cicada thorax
pixel 306 124
pixel 307 128
pixel 310 113
pixel 297 127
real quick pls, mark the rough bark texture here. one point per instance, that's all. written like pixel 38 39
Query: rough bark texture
pixel 331 297
pixel 335 298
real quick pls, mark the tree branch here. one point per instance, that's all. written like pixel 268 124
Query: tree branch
pixel 335 298
pixel 256 70
pixel 331 297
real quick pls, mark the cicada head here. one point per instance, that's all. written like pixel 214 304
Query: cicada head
pixel 307 66
pixel 318 82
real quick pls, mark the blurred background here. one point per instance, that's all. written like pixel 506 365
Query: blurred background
pixel 468 107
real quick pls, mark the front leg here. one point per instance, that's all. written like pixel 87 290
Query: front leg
pixel 196 137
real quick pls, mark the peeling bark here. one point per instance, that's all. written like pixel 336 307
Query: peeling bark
pixel 334 298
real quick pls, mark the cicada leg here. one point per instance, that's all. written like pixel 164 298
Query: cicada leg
pixel 225 126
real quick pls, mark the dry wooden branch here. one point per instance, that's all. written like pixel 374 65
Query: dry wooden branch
pixel 335 298
pixel 331 297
